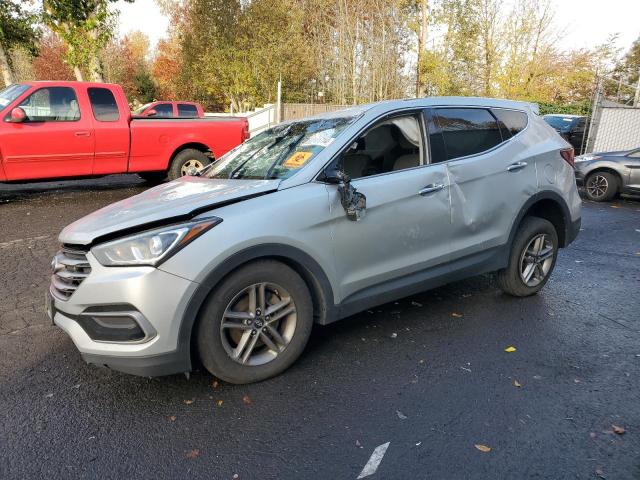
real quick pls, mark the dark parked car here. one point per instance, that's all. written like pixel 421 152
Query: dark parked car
pixel 570 127
pixel 607 174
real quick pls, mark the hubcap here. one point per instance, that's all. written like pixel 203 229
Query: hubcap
pixel 258 324
pixel 597 186
pixel 191 167
pixel 536 260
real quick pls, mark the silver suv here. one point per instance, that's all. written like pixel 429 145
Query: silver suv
pixel 310 222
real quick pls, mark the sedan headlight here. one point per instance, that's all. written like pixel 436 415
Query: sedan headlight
pixel 151 247
pixel 586 158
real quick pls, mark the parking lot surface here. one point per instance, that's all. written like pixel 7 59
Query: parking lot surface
pixel 429 375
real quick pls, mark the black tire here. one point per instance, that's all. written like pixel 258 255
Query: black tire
pixel 601 186
pixel 209 335
pixel 153 177
pixel 184 158
pixel 509 279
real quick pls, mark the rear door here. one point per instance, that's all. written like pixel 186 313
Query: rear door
pixel 187 110
pixel 632 162
pixel 111 132
pixel 490 178
pixel 406 226
pixel 55 140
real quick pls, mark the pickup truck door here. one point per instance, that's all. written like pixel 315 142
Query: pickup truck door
pixel 55 140
pixel 111 130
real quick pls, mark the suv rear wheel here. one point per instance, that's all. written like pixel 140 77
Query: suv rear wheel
pixel 256 323
pixel 532 259
pixel 601 186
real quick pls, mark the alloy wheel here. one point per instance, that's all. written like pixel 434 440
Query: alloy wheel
pixel 191 167
pixel 536 260
pixel 258 324
pixel 597 186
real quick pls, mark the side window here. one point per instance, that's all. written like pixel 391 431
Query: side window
pixel 164 110
pixel 511 122
pixel 52 104
pixel 103 104
pixel 436 142
pixel 187 111
pixel 391 145
pixel 467 131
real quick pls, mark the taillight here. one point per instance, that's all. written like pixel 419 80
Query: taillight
pixel 568 155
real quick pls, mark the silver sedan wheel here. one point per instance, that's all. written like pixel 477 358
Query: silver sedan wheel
pixel 191 167
pixel 597 186
pixel 258 324
pixel 536 260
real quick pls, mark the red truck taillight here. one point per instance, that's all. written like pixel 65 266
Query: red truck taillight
pixel 568 155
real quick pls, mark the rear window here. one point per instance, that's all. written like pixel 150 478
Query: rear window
pixel 511 122
pixel 187 111
pixel 103 104
pixel 164 110
pixel 464 131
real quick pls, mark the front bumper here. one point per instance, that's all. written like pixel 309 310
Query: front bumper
pixel 158 297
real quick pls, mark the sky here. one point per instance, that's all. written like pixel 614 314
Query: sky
pixel 586 23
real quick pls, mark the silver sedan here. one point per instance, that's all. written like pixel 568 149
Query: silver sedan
pixel 605 175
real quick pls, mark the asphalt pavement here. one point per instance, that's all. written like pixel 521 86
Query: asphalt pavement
pixel 427 375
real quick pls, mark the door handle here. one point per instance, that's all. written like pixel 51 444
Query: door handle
pixel 83 133
pixel 431 188
pixel 514 167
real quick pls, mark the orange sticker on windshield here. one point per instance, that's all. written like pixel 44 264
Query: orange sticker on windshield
pixel 297 159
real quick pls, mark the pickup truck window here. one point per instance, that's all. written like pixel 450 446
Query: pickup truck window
pixel 10 93
pixel 164 110
pixel 52 104
pixel 280 151
pixel 187 111
pixel 103 104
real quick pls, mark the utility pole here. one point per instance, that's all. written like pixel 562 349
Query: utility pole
pixel 636 99
pixel 279 102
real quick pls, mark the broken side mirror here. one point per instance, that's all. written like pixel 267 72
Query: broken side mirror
pixel 353 202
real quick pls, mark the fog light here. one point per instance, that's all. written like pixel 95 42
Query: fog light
pixel 112 326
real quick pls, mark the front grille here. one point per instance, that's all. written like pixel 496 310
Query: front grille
pixel 70 268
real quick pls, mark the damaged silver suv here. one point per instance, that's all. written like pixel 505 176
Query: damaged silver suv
pixel 310 222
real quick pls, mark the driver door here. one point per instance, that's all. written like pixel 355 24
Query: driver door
pixel 407 220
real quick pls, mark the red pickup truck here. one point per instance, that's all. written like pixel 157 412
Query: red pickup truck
pixel 80 129
pixel 170 110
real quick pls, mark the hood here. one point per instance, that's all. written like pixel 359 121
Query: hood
pixel 181 198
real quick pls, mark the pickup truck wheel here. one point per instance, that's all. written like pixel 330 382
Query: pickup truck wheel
pixel 256 323
pixel 188 162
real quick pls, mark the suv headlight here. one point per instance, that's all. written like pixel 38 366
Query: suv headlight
pixel 151 247
pixel 586 158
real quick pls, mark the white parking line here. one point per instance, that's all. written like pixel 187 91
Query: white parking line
pixel 374 460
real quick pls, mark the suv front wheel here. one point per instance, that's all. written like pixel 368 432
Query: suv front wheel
pixel 532 259
pixel 256 323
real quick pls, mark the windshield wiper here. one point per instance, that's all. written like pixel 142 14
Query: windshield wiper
pixel 276 140
pixel 291 146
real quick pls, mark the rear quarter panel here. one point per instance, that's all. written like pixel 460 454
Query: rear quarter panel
pixel 154 141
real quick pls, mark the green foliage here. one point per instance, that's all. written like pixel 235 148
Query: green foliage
pixel 17 27
pixel 578 108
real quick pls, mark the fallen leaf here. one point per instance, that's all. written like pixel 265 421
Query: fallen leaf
pixel 246 400
pixel 516 383
pixel 49 395
pixel 482 448
pixel 193 453
pixel 416 304
pixel 358 444
pixel 401 415
pixel 219 402
pixel 394 335
pixel 600 473
pixel 510 349
pixel 188 402
pixel 618 430
pixel 457 315
pixel 214 384
pixel 173 418
pixel 592 434
pixel 418 444
pixel 614 206
pixel 466 369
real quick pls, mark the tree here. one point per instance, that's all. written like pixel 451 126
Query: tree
pixel 17 29
pixel 86 26
pixel 49 64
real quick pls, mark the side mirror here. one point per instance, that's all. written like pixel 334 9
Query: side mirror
pixel 17 115
pixel 335 176
pixel 152 112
